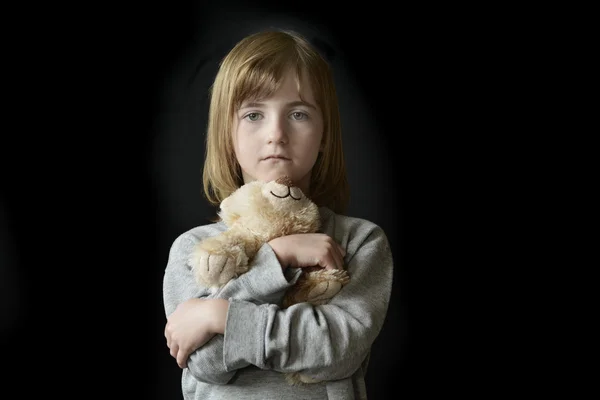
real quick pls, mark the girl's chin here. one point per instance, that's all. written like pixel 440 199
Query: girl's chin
pixel 272 175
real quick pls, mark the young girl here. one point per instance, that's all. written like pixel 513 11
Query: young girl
pixel 274 112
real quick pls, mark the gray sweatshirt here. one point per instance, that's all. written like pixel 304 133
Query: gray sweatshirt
pixel 330 342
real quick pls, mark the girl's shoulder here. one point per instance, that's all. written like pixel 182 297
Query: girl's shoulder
pixel 340 222
pixel 354 233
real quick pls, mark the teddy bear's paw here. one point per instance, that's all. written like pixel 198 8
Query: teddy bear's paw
pixel 323 291
pixel 296 378
pixel 328 275
pixel 316 286
pixel 325 284
pixel 339 275
pixel 216 269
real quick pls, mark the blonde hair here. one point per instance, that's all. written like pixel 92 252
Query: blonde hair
pixel 253 69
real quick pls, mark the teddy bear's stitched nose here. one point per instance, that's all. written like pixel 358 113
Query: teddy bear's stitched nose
pixel 285 180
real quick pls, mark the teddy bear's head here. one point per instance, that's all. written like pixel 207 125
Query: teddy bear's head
pixel 270 209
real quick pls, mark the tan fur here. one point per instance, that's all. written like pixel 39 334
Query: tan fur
pixel 317 287
pixel 255 216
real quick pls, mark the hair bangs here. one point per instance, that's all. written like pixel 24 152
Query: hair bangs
pixel 262 75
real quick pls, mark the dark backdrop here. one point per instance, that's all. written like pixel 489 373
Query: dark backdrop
pixel 370 133
pixel 103 171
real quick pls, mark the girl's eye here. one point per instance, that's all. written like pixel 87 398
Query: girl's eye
pixel 299 116
pixel 253 116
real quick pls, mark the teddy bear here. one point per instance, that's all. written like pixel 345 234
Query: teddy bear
pixel 254 214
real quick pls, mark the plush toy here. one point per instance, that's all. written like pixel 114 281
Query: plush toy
pixel 254 214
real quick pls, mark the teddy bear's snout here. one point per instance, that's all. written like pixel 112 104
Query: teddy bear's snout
pixel 285 180
pixel 292 190
pixel 288 194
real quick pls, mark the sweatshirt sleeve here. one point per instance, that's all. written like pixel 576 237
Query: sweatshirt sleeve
pixel 263 283
pixel 326 342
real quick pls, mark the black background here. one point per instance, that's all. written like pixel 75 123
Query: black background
pixel 369 147
pixel 103 169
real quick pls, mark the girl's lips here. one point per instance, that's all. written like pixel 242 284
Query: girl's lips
pixel 276 158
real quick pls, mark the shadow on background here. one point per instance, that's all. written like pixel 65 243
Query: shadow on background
pixel 99 192
pixel 100 169
pixel 369 149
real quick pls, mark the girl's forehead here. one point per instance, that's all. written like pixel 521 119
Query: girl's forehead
pixel 293 82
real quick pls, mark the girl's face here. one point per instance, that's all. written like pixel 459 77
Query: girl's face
pixel 279 135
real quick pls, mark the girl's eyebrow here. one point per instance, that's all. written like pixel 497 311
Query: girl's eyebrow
pixel 290 104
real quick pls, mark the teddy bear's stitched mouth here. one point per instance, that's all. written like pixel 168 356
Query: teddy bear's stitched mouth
pixel 289 194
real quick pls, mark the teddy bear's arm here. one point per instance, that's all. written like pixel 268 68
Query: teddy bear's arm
pixel 218 259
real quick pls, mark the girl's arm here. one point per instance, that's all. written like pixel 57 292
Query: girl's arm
pixel 325 342
pixel 263 283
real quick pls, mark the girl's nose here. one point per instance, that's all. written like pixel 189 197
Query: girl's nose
pixel 277 132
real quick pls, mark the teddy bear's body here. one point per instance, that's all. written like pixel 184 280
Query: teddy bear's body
pixel 255 214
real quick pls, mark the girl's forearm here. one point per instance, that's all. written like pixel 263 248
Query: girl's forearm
pixel 220 308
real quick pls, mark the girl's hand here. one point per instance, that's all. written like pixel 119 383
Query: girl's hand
pixel 192 324
pixel 308 250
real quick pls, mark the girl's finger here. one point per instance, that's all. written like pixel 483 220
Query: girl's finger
pixel 340 256
pixel 173 350
pixel 182 359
